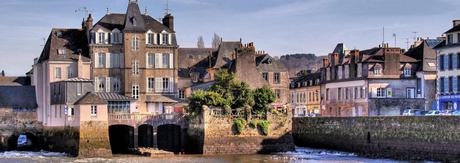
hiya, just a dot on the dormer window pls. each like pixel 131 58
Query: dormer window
pixel 117 37
pixel 101 38
pixel 378 70
pixel 133 21
pixel 450 39
pixel 151 38
pixel 165 39
pixel 407 71
pixel 61 51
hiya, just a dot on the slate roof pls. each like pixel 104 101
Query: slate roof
pixel 72 41
pixel 15 81
pixel 18 96
pixel 266 63
pixel 425 54
pixel 134 22
pixel 453 29
pixel 110 96
pixel 90 98
pixel 225 52
pixel 203 86
pixel 193 57
pixel 305 78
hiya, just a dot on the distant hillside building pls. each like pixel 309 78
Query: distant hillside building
pixel 305 95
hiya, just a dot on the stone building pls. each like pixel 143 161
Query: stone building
pixel 305 94
pixel 448 69
pixel 135 55
pixel 198 66
pixel 379 81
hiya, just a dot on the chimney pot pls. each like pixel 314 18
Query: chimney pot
pixel 456 22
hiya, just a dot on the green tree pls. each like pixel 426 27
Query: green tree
pixel 238 93
pixel 199 98
pixel 262 98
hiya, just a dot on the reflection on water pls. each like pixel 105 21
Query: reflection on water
pixel 299 155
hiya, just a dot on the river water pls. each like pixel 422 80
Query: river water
pixel 299 155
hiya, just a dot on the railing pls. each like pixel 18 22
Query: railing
pixel 137 117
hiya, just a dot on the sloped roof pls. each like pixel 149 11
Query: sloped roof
pixel 90 98
pixel 274 65
pixel 18 96
pixel 134 22
pixel 14 81
pixel 203 86
pixel 225 52
pixel 192 57
pixel 71 41
pixel 117 20
pixel 110 96
pixel 453 29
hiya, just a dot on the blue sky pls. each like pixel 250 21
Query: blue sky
pixel 276 26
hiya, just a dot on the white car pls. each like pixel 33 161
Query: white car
pixel 409 112
pixel 432 113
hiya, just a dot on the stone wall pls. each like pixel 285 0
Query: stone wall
pixel 216 135
pixel 393 107
pixel 420 138
pixel 94 139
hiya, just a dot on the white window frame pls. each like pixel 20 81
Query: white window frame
pixel 135 43
pixel 93 112
pixel 150 57
pixel 150 84
pixel 136 67
pixel 407 71
pixel 101 37
pixel 58 73
pixel 135 91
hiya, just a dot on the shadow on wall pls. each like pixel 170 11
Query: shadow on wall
pixel 284 143
pixel 121 139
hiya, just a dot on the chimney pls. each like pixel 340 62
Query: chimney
pixel 3 73
pixel 335 59
pixel 355 56
pixel 89 22
pixel 325 62
pixel 456 22
pixel 168 21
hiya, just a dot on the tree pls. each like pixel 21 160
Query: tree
pixel 262 98
pixel 199 98
pixel 200 42
pixel 232 89
pixel 216 40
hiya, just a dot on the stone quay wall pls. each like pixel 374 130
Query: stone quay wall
pixel 94 139
pixel 216 135
pixel 408 138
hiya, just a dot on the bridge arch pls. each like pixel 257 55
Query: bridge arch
pixel 170 138
pixel 146 136
pixel 121 138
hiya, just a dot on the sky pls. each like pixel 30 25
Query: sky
pixel 276 26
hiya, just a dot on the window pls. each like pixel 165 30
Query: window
pixel 115 60
pixel 57 73
pixel 181 94
pixel 135 89
pixel 61 51
pixel 441 85
pixel 165 40
pixel 449 61
pixel 450 84
pixel 100 84
pixel 458 38
pixel 458 60
pixel 136 67
pixel 93 110
pixel 380 92
pixel 69 72
pixel 116 37
pixel 101 60
pixel 389 92
pixel 151 60
pixel 265 76
pixel 346 93
pixel 378 70
pixel 79 89
pixel 166 60
pixel 115 84
pixel 135 43
pixel 458 84
pixel 419 86
pixel 150 38
pixel 166 84
pixel 327 94
pixel 101 38
pixel 441 62
pixel 450 39
pixel 410 92
pixel 407 71
pixel 150 84
pixel 339 94
pixel 278 93
pixel 356 92
pixel 361 93
pixel 276 78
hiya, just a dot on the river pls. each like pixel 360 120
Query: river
pixel 299 155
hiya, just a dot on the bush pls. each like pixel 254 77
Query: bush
pixel 262 98
pixel 253 123
pixel 264 126
pixel 239 124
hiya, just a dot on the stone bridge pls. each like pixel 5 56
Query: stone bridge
pixel 163 131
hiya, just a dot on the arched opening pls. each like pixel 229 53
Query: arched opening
pixel 145 137
pixel 169 138
pixel 23 141
pixel 121 138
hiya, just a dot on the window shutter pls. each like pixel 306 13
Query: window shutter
pixel 147 61
pixel 171 85
pixel 169 39
pixel 158 84
pixel 93 37
pixel 107 60
pixel 108 84
pixel 155 40
pixel 389 92
pixel 147 38
pixel 96 84
pixel 121 59
pixel 171 60
pixel 158 63
pixel 161 39
pixel 96 60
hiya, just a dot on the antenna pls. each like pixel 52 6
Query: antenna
pixel 415 36
pixel 44 41
pixel 146 11
pixel 167 10
pixel 394 35
pixel 84 10
pixel 407 43
pixel 383 36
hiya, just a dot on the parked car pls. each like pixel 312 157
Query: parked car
pixel 420 113
pixel 446 112
pixel 456 113
pixel 23 141
pixel 432 113
pixel 409 112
